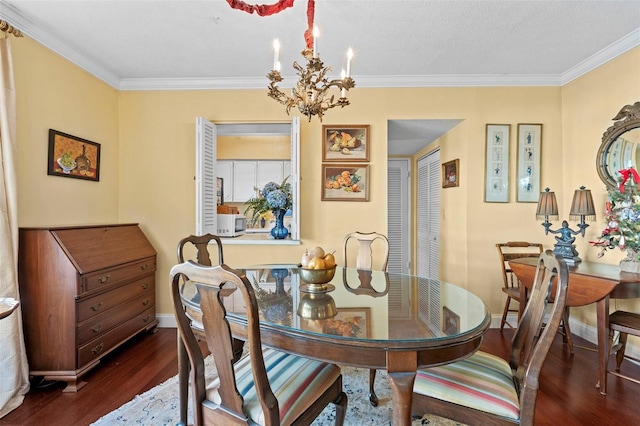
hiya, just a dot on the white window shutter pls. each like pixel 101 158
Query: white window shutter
pixel 206 157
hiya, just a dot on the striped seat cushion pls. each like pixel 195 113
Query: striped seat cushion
pixel 295 381
pixel 483 382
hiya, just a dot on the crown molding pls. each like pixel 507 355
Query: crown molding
pixel 362 81
pixel 193 83
pixel 97 69
pixel 610 52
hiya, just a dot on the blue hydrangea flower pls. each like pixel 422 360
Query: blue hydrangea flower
pixel 271 186
pixel 277 199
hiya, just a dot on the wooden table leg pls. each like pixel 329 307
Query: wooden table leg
pixel 602 310
pixel 402 367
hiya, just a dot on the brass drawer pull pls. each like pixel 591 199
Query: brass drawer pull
pixel 145 286
pixel 96 307
pixel 96 328
pixel 147 318
pixel 144 267
pixel 103 279
pixel 97 349
pixel 146 302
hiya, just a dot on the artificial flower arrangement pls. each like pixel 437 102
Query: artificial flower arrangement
pixel 271 198
pixel 622 213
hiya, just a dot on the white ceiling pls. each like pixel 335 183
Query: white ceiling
pixel 163 44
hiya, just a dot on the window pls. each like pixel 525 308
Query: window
pixel 206 171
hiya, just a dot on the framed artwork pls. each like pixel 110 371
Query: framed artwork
pixel 496 174
pixel 451 173
pixel 450 322
pixel 345 182
pixel 71 156
pixel 345 143
pixel 349 322
pixel 528 170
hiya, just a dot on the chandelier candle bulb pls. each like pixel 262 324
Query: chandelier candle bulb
pixel 349 56
pixel 315 41
pixel 342 76
pixel 276 54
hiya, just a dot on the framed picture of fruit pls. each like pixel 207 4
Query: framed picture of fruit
pixel 345 143
pixel 350 322
pixel 345 182
pixel 71 156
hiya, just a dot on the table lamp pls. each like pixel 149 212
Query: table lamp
pixel 582 208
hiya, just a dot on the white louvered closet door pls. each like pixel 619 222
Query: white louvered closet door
pixel 398 216
pixel 428 216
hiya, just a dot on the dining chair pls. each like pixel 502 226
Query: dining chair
pixel 198 246
pixel 365 261
pixel 201 244
pixel 265 387
pixel 511 285
pixel 624 323
pixel 486 389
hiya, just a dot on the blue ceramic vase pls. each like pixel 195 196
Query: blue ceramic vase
pixel 279 232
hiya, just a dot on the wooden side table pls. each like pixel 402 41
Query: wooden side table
pixel 588 283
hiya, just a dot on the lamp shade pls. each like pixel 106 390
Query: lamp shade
pixel 547 205
pixel 582 205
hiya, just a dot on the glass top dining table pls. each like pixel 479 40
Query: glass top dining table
pixel 368 319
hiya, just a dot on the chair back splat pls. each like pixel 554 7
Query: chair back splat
pixel 201 244
pixel 365 258
pixel 485 389
pixel 265 387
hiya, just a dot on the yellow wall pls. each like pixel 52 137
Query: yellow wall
pixel 588 105
pixel 53 94
pixel 254 147
pixel 148 159
pixel 470 228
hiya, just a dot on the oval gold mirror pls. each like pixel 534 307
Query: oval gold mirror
pixel 620 148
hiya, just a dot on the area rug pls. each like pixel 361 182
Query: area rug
pixel 160 406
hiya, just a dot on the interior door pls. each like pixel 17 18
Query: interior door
pixel 399 215
pixel 428 216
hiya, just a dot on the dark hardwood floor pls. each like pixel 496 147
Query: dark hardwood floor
pixel 567 394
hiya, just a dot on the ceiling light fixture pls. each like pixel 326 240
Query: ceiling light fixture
pixel 312 93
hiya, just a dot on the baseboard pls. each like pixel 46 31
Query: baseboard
pixel 166 321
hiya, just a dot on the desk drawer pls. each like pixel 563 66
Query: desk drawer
pixel 102 323
pixel 103 302
pixel 103 344
pixel 113 276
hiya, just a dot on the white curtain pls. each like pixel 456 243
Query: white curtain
pixel 14 371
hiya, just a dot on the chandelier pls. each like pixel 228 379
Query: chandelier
pixel 313 93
